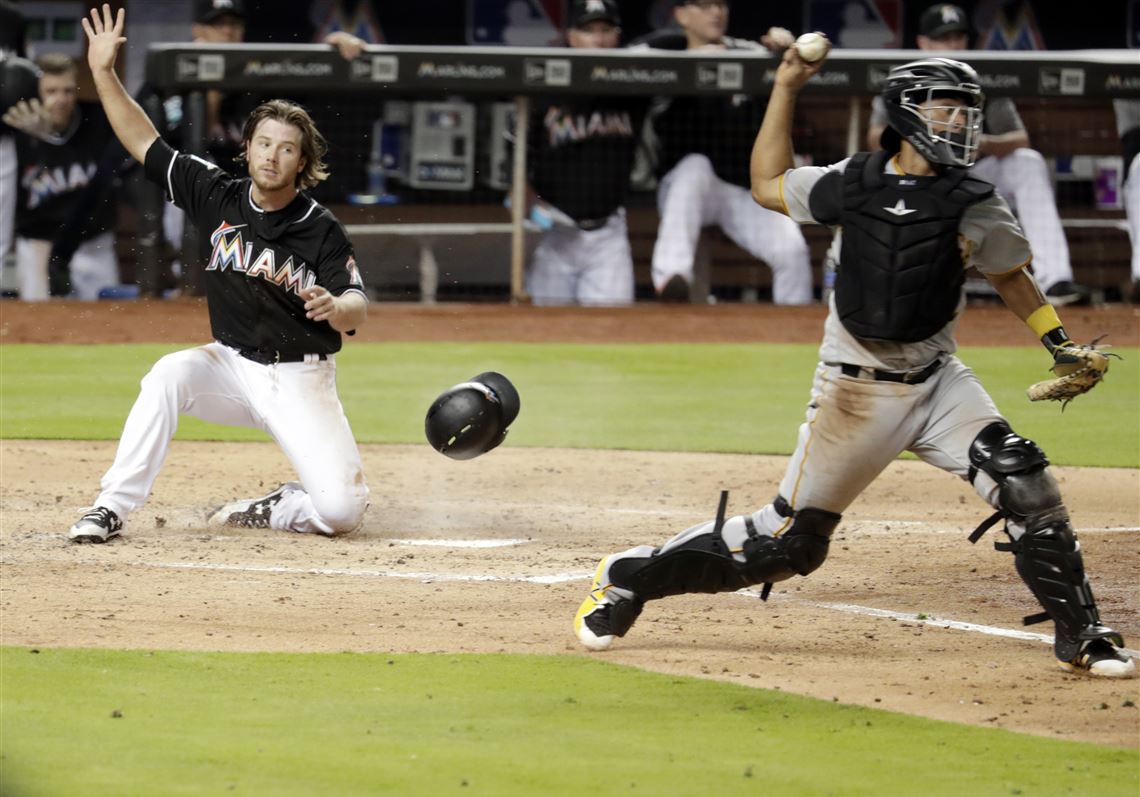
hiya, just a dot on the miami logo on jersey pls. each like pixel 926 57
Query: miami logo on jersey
pixel 45 183
pixel 230 251
pixel 566 127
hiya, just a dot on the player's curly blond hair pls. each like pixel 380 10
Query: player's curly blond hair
pixel 313 144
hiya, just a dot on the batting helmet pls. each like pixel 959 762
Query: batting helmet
pixel 472 418
pixel 19 80
pixel 953 142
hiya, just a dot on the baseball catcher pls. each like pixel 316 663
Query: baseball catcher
pixel 912 219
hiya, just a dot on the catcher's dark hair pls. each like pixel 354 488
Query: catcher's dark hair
pixel 313 144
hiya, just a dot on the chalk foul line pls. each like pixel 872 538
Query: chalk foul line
pixel 937 622
pixel 555 578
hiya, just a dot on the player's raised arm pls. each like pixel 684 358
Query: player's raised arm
pixel 129 121
pixel 772 152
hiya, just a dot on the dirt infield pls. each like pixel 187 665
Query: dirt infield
pixel 412 579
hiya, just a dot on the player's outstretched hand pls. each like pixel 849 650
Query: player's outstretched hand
pixel 104 37
pixel 29 116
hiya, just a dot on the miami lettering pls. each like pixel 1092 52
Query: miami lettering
pixel 46 183
pixel 231 252
pixel 566 128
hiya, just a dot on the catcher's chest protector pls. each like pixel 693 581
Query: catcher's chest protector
pixel 901 271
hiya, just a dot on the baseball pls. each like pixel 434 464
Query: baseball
pixel 812 47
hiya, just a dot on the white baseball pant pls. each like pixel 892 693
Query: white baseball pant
pixel 691 196
pixel 589 267
pixel 1022 177
pixel 8 185
pixel 295 403
pixel 1132 212
pixel 94 266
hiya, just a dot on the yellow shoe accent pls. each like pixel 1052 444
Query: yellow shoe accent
pixel 593 602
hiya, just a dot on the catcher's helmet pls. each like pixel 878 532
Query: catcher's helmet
pixel 472 418
pixel 947 143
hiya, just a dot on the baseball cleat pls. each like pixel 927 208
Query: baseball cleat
pixel 97 525
pixel 250 513
pixel 1101 659
pixel 604 614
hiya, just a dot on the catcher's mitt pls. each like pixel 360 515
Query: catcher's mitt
pixel 1078 369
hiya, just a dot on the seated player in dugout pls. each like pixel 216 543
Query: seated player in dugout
pixel 281 286
pixel 912 217
pixel 581 153
pixel 1019 173
pixel 700 146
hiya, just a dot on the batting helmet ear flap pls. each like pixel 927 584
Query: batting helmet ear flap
pixel 502 387
pixel 472 418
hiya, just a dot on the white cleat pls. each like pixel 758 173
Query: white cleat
pixel 1101 659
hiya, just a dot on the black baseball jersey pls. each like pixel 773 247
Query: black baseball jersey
pixel 259 261
pixel 54 175
pixel 581 152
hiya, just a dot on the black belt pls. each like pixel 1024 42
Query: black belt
pixel 589 225
pixel 915 377
pixel 273 357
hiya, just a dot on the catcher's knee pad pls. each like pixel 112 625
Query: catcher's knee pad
pixel 704 563
pixel 798 551
pixel 1018 466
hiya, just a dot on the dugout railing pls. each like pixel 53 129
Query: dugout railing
pixel 1063 96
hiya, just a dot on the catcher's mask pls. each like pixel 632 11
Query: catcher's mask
pixel 908 94
pixel 472 418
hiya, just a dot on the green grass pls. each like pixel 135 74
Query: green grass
pixel 283 724
pixel 694 397
pixel 347 724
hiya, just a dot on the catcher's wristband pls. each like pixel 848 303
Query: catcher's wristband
pixel 1046 324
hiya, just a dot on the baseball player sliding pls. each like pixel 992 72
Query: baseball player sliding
pixel 282 286
pixel 912 218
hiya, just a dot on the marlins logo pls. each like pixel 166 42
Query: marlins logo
pixel 949 14
pixel 231 252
